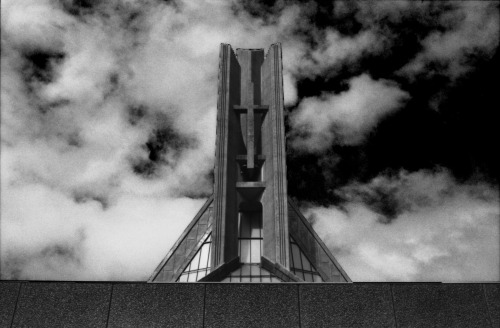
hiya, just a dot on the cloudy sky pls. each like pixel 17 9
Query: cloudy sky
pixel 108 131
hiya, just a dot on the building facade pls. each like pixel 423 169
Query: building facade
pixel 249 230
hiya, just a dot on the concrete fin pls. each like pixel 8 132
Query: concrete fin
pixel 315 251
pixel 186 247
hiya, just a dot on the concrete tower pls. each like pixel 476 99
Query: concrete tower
pixel 249 231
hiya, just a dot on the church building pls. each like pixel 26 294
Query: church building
pixel 251 233
pixel 249 230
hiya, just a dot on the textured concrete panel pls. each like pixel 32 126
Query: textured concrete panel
pixel 157 305
pixel 61 304
pixel 346 305
pixel 440 305
pixel 251 305
pixel 8 298
pixel 492 294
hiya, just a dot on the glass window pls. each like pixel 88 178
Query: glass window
pixel 195 262
pixel 250 246
pixel 300 264
pixel 296 256
pixel 237 272
pixel 256 224
pixel 199 266
pixel 250 272
pixel 245 250
pixel 245 225
pixel 255 250
pixel 204 255
pixel 192 276
pixel 201 274
pixel 305 263
pixel 245 270
pixel 250 232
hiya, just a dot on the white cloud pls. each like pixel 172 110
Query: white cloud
pixel 344 118
pixel 452 237
pixel 471 27
pixel 33 24
pixel 51 237
pixel 335 49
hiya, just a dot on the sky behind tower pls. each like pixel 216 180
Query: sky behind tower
pixel 108 115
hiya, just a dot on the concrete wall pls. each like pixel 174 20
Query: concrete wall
pixel 100 304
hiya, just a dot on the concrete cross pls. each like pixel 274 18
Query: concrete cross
pixel 250 110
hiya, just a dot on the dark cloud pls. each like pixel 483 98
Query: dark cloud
pixel 64 252
pixel 381 198
pixel 439 125
pixel 81 197
pixel 52 256
pixel 74 140
pixel 80 7
pixel 164 146
pixel 145 168
pixel 135 113
pixel 39 66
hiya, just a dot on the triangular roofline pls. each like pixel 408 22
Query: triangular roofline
pixel 181 238
pixel 318 240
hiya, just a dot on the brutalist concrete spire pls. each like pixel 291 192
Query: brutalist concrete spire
pixel 249 230
pixel 250 153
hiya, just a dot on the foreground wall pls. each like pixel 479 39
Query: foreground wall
pixel 89 304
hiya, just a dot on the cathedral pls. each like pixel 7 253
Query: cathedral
pixel 249 230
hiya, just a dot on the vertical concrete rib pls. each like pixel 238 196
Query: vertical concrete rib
pixel 220 153
pixel 279 161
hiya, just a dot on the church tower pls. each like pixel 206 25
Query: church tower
pixel 249 230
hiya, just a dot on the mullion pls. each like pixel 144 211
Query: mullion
pixel 305 271
pixel 302 270
pixel 209 253
pixel 250 246
pixel 199 260
pixel 301 264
